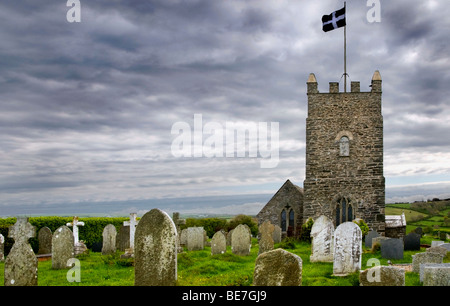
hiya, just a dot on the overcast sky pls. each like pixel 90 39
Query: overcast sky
pixel 87 108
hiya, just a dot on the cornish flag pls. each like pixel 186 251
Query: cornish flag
pixel 334 20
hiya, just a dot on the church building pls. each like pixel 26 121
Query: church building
pixel 344 160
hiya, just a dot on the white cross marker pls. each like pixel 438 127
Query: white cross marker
pixel 75 223
pixel 132 224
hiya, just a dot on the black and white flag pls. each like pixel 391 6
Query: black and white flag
pixel 334 20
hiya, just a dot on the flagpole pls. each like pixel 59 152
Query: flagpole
pixel 345 50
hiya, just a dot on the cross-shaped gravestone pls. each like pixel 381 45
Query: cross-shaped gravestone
pixel 132 224
pixel 75 223
pixel 21 263
pixel 178 222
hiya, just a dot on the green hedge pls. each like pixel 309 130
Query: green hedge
pixel 90 233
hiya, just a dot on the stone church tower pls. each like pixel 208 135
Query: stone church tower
pixel 344 155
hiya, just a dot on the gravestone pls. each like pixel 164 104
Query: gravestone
pixel 266 240
pixel 45 240
pixel 123 238
pixel 195 239
pixel 155 250
pixel 412 242
pixel 322 240
pixel 368 238
pixel 418 230
pixel 347 249
pixel 445 246
pixel 426 257
pixel 109 240
pixel 382 276
pixel 129 252
pixel 277 268
pixel 436 243
pixel 276 234
pixel 62 247
pixel 218 243
pixel 241 240
pixel 183 237
pixel 178 222
pixel 79 246
pixel 435 274
pixel 2 248
pixel 21 264
pixel 392 248
pixel 438 249
pixel 376 241
pixel 229 235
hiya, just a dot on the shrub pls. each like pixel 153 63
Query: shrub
pixel 363 226
pixel 306 230
pixel 244 219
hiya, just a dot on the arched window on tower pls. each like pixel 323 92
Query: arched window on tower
pixel 344 211
pixel 344 146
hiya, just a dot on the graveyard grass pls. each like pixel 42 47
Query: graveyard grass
pixel 199 268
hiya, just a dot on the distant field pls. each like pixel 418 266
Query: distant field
pixel 410 215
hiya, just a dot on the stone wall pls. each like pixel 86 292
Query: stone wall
pixel 344 154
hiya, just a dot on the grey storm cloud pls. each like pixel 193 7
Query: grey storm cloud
pixel 87 108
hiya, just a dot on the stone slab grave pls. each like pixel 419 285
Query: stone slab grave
pixel 347 249
pixel 437 249
pixel 435 274
pixel 368 238
pixel 322 240
pixel 156 250
pixel 79 246
pixel 21 264
pixel 45 241
pixel 241 240
pixel 218 243
pixel 277 268
pixel 62 247
pixel 412 242
pixel 109 240
pixel 425 257
pixel 195 239
pixel 129 252
pixel 392 248
pixel 382 276
pixel 266 237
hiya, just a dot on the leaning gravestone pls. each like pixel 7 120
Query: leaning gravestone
pixel 322 240
pixel 392 248
pixel 109 240
pixel 382 276
pixel 347 249
pixel 21 265
pixel 155 250
pixel 62 247
pixel 45 240
pixel 195 239
pixel 218 243
pixel 277 268
pixel 368 238
pixel 266 241
pixel 241 240
pixel 412 242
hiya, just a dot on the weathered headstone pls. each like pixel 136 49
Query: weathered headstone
pixel 129 252
pixel 195 239
pixel 266 240
pixel 382 276
pixel 45 240
pixel 218 243
pixel 445 246
pixel 123 238
pixel 438 249
pixel 109 240
pixel 241 240
pixel 347 249
pixel 418 230
pixel 2 248
pixel 276 234
pixel 62 247
pixel 368 238
pixel 21 264
pixel 229 236
pixel 322 240
pixel 412 242
pixel 425 257
pixel 155 250
pixel 183 237
pixel 435 274
pixel 436 243
pixel 79 246
pixel 277 268
pixel 392 248
pixel 178 222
